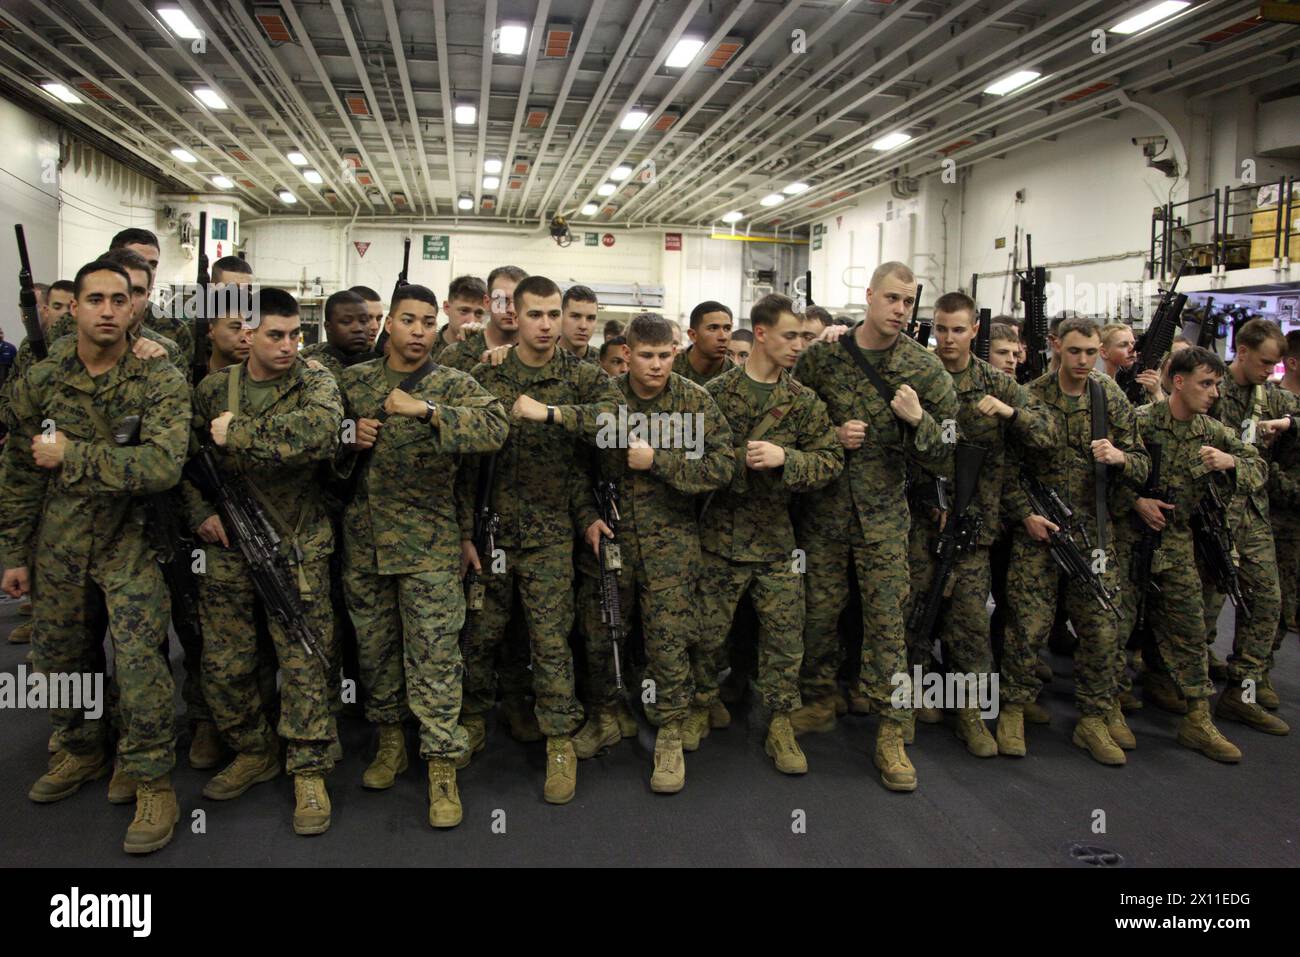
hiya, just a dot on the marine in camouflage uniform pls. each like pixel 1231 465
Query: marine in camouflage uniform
pixel 682 367
pixel 179 331
pixel 334 359
pixel 1284 513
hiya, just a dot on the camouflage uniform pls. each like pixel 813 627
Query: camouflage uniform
pixel 536 472
pixel 463 355
pixel 862 520
pixel 1284 513
pixel 1034 580
pixel 748 538
pixel 659 546
pixel 1174 606
pixel 441 345
pixel 333 358
pixel 401 563
pixel 278 449
pixel 88 531
pixel 1248 517
pixel 592 355
pixel 682 367
pixel 178 331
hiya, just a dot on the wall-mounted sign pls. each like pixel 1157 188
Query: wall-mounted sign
pixel 591 239
pixel 437 247
pixel 673 241
pixel 607 239
pixel 361 248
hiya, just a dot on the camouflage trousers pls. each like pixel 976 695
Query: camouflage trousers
pixel 963 625
pixel 882 575
pixel 543 577
pixel 777 591
pixel 196 706
pixel 1034 586
pixel 1124 536
pixel 1288 579
pixel 228 612
pixel 1253 635
pixel 408 649
pixel 68 644
pixel 667 623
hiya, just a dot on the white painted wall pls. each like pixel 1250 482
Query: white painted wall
pixel 31 148
pixel 100 197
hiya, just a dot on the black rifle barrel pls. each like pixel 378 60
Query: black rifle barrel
pixel 27 298
pixel 199 370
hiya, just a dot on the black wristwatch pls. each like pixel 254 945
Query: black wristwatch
pixel 550 415
pixel 428 411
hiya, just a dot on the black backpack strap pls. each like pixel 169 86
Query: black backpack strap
pixel 873 376
pixel 1100 430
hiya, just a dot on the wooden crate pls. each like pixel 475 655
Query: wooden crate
pixel 1262 223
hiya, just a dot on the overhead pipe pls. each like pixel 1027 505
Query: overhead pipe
pixel 485 90
pixel 444 84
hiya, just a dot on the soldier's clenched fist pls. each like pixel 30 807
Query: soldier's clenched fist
pixel 852 433
pixel 906 404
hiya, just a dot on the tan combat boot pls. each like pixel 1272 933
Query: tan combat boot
pixel 719 716
pixel 817 715
pixel 600 732
pixel 1035 713
pixel 695 728
pixel 475 726
pixel 67 773
pixel 971 729
pixel 521 718
pixel 782 748
pixel 669 775
pixel 627 725
pixel 1198 732
pixel 561 770
pixel 206 748
pixel 390 759
pixel 241 774
pixel 859 704
pixel 311 813
pixel 444 798
pixel 1011 730
pixel 909 726
pixel 1265 694
pixel 896 771
pixel 1119 730
pixel 1234 707
pixel 156 814
pixel 1161 691
pixel 1091 735
pixel 22 634
pixel 121 788
pixel 928 715
pixel 1129 702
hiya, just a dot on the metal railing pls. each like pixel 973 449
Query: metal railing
pixel 1168 225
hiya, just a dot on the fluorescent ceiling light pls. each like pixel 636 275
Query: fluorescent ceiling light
pixel 492 165
pixel 287 197
pixel 771 199
pixel 184 155
pixel 512 39
pixel 223 182
pixel 734 216
pixel 466 201
pixel 1013 82
pixel 209 98
pixel 297 159
pixel 633 119
pixel 313 177
pixel 61 92
pixel 606 189
pixel 890 140
pixel 620 173
pixel 179 23
pixel 683 53
pixel 1152 14
pixel 465 114
pixel 794 188
pixel 590 209
pixel 491 182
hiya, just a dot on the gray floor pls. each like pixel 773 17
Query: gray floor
pixel 1168 807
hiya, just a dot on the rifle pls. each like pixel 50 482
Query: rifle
pixel 960 535
pixel 397 287
pixel 983 345
pixel 247 525
pixel 915 327
pixel 1155 342
pixel 1214 546
pixel 1208 334
pixel 1065 549
pixel 486 523
pixel 1033 293
pixel 611 562
pixel 807 288
pixel 27 299
pixel 1148 541
pixel 199 370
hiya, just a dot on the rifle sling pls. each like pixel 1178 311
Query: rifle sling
pixel 873 376
pixel 1100 429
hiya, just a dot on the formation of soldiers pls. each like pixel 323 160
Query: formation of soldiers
pixel 451 500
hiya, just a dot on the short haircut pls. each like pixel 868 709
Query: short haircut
pixel 1001 330
pixel 538 286
pixel 955 302
pixel 767 311
pixel 275 302
pixel 366 293
pixel 819 313
pixel 614 341
pixel 510 272
pixel 1016 322
pixel 41 287
pixel 613 327
pixel 134 236
pixel 649 329
pixel 1259 331
pixel 1080 324
pixel 1181 340
pixel 1187 361
pixel 895 268
pixel 232 264
pixel 1292 342
pixel 1111 330
pixel 62 285
pixel 99 265
pixel 129 259
pixel 579 294
pixel 706 307
pixel 742 335
pixel 344 297
pixel 467 287
pixel 416 292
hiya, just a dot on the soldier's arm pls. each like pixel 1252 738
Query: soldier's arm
pixel 23 484
pixel 1284 485
pixel 712 464
pixel 463 490
pixel 925 444
pixel 597 396
pixel 1124 435
pixel 473 420
pixel 819 458
pixel 1033 426
pixel 152 466
pixel 1015 503
pixel 1251 472
pixel 307 434
pixel 197 508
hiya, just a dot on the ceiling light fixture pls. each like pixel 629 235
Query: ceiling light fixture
pixel 287 197
pixel 209 98
pixel 1150 16
pixel 61 92
pixel 590 209
pixel 734 216
pixel 511 39
pixel 1013 82
pixel 223 182
pixel 466 201
pixel 606 189
pixel 794 188
pixel 492 165
pixel 633 119
pixel 620 173
pixel 313 177
pixel 297 159
pixel 184 155
pixel 890 141
pixel 465 114
pixel 771 199
pixel 683 53
pixel 179 23
pixel 491 182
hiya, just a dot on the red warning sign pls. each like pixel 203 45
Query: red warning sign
pixel 673 241
pixel 361 248
pixel 607 239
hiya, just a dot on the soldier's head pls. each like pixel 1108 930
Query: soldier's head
pixel 374 309
pixel 230 336
pixel 677 335
pixel 140 241
pixel 649 353
pixel 58 303
pixel 890 299
pixel 347 323
pixel 613 355
pixel 777 330
pixel 710 330
pixel 1292 360
pixel 1117 346
pixel 412 324
pixel 955 326
pixel 232 269
pixel 502 283
pixel 467 301
pixel 815 321
pixel 740 345
pixel 276 330
pixel 141 273
pixel 1004 347
pixel 1260 347
pixel 1194 377
pixel 580 307
pixel 538 311
pixel 102 304
pixel 613 327
pixel 1080 341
